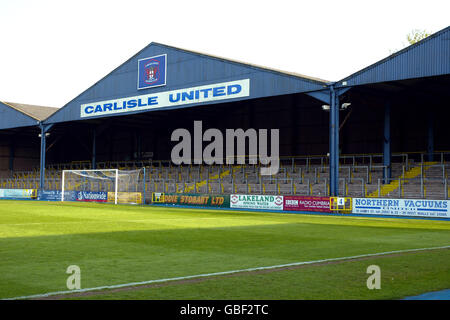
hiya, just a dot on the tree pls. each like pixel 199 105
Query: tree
pixel 416 35
pixel 413 37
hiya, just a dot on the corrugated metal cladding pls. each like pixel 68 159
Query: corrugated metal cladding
pixel 429 57
pixel 11 118
pixel 185 69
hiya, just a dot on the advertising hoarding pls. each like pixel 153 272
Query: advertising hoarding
pixel 402 207
pixel 202 200
pixel 270 202
pixel 305 203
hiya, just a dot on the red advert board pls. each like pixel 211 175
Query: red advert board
pixel 305 203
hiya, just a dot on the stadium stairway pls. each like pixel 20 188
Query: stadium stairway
pixel 218 176
pixel 389 188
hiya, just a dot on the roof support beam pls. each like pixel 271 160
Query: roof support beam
pixel 334 142
pixel 44 131
pixel 334 137
pixel 323 96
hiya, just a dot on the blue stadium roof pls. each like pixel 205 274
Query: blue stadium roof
pixel 426 58
pixel 186 69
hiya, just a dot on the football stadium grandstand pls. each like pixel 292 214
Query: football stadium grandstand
pixel 381 132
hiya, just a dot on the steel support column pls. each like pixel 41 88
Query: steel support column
pixel 334 143
pixel 44 131
pixel 337 151
pixel 387 142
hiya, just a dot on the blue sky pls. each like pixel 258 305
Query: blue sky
pixel 53 50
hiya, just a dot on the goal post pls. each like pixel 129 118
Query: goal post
pixel 116 198
pixel 103 185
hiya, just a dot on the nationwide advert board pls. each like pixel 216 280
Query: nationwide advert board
pixel 402 207
pixel 269 202
pixel 92 196
pixel 306 203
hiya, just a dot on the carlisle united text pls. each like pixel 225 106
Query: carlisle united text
pixel 202 94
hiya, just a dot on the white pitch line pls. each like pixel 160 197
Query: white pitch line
pixel 205 275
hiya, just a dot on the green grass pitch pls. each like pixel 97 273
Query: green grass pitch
pixel 125 244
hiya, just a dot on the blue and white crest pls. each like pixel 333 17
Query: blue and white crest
pixel 152 72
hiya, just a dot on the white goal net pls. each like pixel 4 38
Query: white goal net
pixel 104 185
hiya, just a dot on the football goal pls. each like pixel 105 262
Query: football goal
pixel 105 185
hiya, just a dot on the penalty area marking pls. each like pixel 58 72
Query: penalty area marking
pixel 206 275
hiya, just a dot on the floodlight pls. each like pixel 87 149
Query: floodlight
pixel 345 105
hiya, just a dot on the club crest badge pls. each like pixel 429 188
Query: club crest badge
pixel 152 72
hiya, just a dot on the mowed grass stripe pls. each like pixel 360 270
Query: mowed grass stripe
pixel 125 244
pixel 402 275
pixel 230 272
